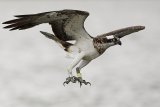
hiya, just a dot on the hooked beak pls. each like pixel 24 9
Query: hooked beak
pixel 119 42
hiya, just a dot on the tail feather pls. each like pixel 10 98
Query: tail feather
pixel 50 36
pixel 65 45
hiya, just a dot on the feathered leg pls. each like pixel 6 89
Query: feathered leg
pixel 79 76
pixel 76 60
pixel 82 64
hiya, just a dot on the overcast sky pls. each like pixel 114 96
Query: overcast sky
pixel 33 68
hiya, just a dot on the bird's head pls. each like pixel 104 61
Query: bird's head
pixel 112 41
pixel 117 41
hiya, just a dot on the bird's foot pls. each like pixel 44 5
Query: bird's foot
pixel 70 79
pixel 81 81
pixel 75 79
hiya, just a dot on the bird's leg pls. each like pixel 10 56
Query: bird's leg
pixel 79 75
pixel 72 78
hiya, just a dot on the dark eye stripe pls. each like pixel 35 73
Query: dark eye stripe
pixel 110 40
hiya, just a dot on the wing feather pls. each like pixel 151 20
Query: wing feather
pixel 66 24
pixel 123 32
pixel 28 21
pixel 71 28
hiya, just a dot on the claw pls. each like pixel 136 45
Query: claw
pixel 64 83
pixel 86 83
pixel 81 81
pixel 69 79
pixel 75 79
pixel 89 83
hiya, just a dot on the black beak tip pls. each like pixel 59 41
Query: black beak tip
pixel 142 27
pixel 120 43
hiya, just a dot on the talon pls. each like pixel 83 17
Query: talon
pixel 86 83
pixel 75 79
pixel 89 83
pixel 81 81
pixel 64 83
pixel 69 79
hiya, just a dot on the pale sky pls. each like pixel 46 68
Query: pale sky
pixel 33 68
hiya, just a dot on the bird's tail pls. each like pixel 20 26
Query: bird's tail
pixel 63 44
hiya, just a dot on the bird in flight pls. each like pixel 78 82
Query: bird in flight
pixel 68 25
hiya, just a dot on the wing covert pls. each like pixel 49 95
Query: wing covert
pixel 71 28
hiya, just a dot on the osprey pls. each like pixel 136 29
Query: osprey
pixel 68 25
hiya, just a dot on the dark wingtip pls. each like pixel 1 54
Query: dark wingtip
pixel 11 21
pixel 142 27
pixel 137 28
pixel 5 22
pixel 15 28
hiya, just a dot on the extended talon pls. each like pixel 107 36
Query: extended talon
pixel 75 79
pixel 81 81
pixel 65 83
pixel 70 79
pixel 86 83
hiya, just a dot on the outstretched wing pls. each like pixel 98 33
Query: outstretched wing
pixel 27 21
pixel 123 32
pixel 66 24
pixel 71 28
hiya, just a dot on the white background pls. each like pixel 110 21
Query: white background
pixel 33 68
